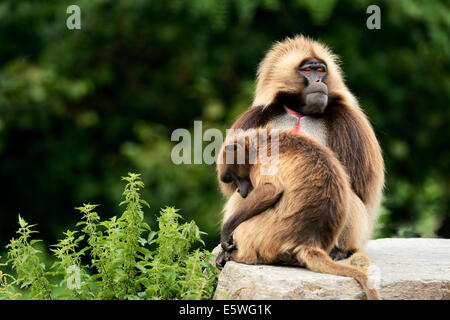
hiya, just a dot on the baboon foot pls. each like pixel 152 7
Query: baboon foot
pixel 339 254
pixel 225 254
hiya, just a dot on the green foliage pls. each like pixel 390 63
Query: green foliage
pixel 127 259
pixel 6 285
pixel 25 262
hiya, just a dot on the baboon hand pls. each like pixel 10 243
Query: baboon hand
pixel 339 254
pixel 227 243
pixel 220 260
pixel 225 254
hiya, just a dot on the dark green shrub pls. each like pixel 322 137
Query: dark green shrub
pixel 127 259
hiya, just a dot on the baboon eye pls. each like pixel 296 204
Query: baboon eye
pixel 320 70
pixel 307 70
pixel 226 178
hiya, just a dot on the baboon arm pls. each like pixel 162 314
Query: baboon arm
pixel 260 199
pixel 353 140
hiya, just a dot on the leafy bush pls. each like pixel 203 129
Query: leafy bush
pixel 127 259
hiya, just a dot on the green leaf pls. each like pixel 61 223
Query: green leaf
pixel 151 236
pixel 144 202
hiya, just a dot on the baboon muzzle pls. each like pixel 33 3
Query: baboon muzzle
pixel 315 97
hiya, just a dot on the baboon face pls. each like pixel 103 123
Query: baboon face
pixel 240 179
pixel 300 74
pixel 235 173
pixel 315 94
pixel 312 96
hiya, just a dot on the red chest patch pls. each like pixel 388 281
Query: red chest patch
pixel 295 114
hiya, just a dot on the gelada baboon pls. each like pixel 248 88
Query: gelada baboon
pixel 292 216
pixel 300 87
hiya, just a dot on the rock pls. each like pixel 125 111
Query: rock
pixel 401 268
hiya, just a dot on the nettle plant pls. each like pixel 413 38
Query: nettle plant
pixel 127 259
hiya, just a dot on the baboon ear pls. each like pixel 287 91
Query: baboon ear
pixel 232 147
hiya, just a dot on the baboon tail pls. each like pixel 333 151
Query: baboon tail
pixel 318 260
pixel 359 260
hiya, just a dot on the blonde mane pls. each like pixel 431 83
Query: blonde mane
pixel 277 72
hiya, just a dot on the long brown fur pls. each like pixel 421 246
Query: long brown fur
pixel 348 132
pixel 305 212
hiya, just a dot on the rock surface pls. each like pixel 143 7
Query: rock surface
pixel 402 269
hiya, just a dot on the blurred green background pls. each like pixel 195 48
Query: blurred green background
pixel 81 108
